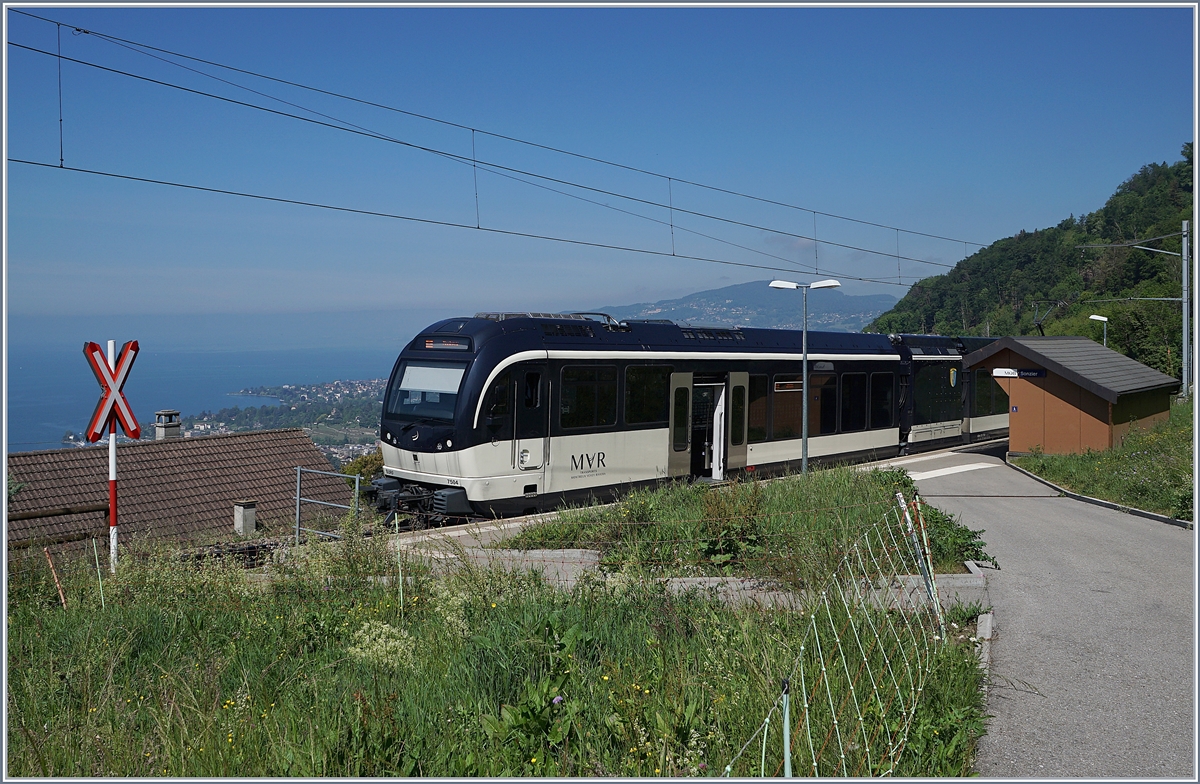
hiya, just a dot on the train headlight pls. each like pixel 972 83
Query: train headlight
pixel 439 446
pixel 449 443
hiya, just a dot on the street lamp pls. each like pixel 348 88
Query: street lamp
pixel 1094 317
pixel 820 284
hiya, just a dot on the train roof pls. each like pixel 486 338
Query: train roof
pixel 599 330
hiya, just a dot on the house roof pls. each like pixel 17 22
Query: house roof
pixel 1082 361
pixel 179 488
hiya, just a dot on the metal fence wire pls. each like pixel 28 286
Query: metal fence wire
pixel 862 662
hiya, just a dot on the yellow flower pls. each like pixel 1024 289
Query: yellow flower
pixel 605 677
pixel 647 691
pixel 493 605
pixel 533 760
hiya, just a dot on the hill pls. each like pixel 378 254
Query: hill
pixel 756 305
pixel 1000 289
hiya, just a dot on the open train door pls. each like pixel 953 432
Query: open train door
pixel 679 453
pixel 737 418
pixel 532 435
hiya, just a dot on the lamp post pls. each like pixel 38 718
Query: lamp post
pixel 1094 317
pixel 820 284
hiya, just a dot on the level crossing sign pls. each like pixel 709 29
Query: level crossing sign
pixel 112 403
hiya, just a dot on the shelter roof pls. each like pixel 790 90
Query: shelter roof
pixel 1082 361
pixel 178 488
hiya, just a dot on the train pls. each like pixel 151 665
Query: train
pixel 503 414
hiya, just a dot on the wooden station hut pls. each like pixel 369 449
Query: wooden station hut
pixel 1070 394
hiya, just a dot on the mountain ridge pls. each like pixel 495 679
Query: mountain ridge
pixel 755 304
pixel 1000 289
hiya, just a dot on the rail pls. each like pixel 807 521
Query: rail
pixel 300 497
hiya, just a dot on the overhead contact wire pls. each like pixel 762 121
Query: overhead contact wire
pixel 414 219
pixel 129 44
pixel 516 140
pixel 348 128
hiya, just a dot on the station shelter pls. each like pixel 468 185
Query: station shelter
pixel 1070 394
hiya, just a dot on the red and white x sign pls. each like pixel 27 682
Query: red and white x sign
pixel 112 399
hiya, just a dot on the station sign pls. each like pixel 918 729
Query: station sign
pixel 1018 373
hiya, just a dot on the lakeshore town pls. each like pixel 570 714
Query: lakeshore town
pixel 341 417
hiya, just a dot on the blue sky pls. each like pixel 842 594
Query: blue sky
pixel 969 123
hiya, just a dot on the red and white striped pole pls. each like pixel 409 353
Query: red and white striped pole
pixel 112 474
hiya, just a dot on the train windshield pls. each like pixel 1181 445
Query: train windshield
pixel 424 390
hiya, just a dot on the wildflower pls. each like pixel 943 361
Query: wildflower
pixel 493 605
pixel 647 691
pixel 557 699
pixel 656 770
pixel 533 760
pixel 604 677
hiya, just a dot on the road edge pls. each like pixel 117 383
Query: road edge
pixel 1099 501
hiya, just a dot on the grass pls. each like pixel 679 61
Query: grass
pixel 193 671
pixel 1150 470
pixel 794 529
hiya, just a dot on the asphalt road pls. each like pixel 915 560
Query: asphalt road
pixel 1093 653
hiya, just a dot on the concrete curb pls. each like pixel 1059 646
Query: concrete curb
pixel 1098 501
pixel 983 632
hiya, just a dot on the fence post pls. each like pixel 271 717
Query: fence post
pixel 297 506
pixel 96 554
pixel 787 731
pixel 937 602
pixel 917 550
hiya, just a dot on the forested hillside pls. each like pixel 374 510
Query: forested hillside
pixel 998 290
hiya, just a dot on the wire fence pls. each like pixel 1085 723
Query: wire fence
pixel 861 665
pixel 869 625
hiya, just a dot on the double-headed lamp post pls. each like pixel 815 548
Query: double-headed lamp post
pixel 820 284
pixel 1094 317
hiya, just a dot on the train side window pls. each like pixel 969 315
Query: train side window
pixel 588 397
pixel 647 395
pixel 679 439
pixel 822 404
pixel 882 385
pixel 787 407
pixel 737 416
pixel 990 398
pixel 498 410
pixel 533 390
pixel 999 397
pixel 854 402
pixel 757 431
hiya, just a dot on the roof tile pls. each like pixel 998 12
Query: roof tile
pixel 178 488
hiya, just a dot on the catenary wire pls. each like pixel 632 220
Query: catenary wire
pixel 464 160
pixel 474 160
pixel 430 221
pixel 130 43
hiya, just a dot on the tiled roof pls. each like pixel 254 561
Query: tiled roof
pixel 1083 361
pixel 180 488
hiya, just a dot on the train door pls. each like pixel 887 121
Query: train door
pixel 708 429
pixel 531 438
pixel 679 448
pixel 735 442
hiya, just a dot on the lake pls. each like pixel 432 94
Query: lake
pixel 51 390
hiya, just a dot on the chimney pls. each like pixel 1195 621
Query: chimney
pixel 243 517
pixel 166 424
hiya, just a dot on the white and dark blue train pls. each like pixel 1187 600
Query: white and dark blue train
pixel 509 413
